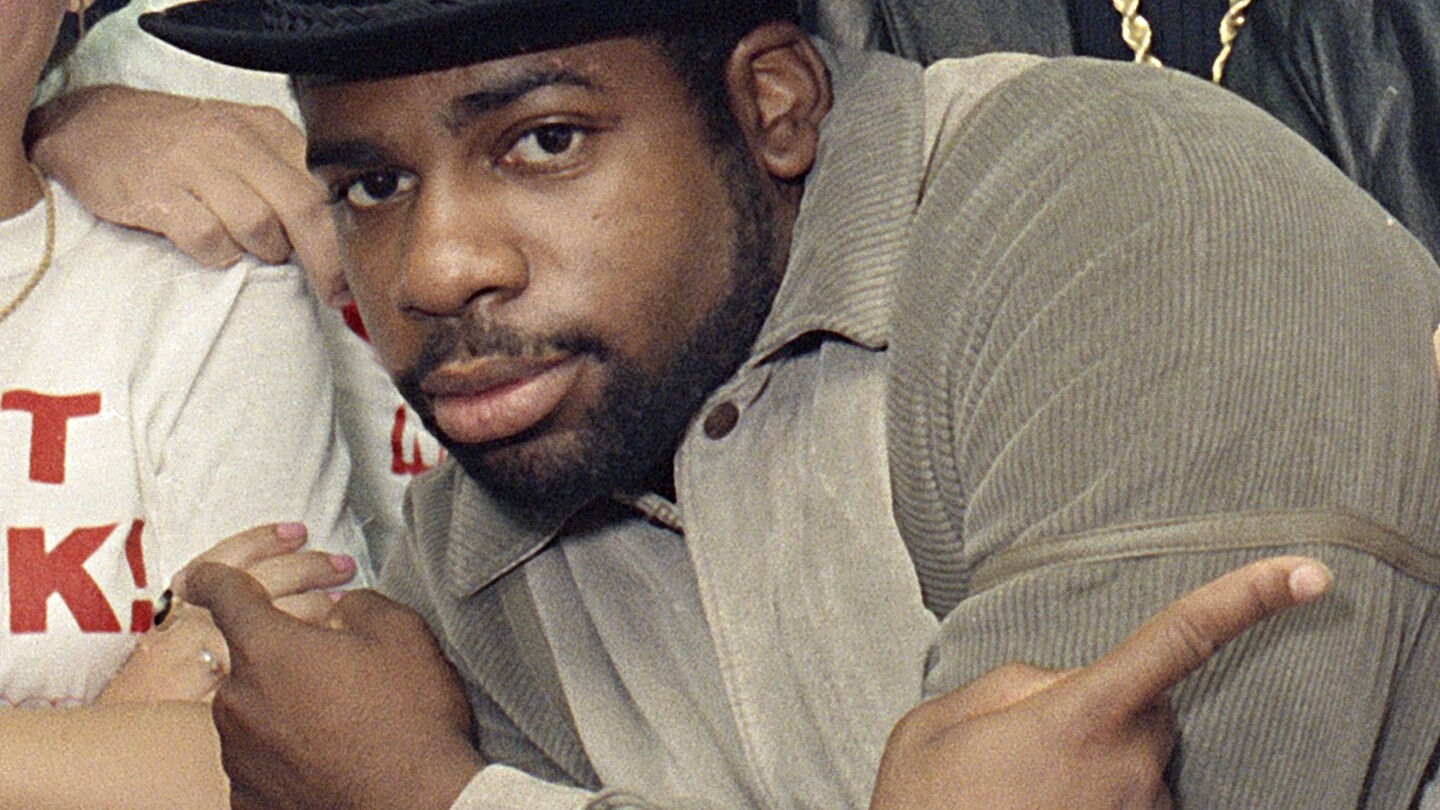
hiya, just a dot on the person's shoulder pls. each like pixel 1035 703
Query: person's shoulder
pixel 135 276
pixel 954 86
pixel 145 258
pixel 1062 106
pixel 145 266
pixel 1074 81
pixel 178 308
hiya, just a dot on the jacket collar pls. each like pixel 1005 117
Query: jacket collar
pixel 489 537
pixel 854 221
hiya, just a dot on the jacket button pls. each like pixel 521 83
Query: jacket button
pixel 722 420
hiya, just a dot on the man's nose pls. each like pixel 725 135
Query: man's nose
pixel 459 253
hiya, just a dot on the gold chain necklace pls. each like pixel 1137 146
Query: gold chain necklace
pixel 1230 26
pixel 1135 30
pixel 46 258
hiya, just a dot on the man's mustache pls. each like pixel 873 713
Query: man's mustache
pixel 474 338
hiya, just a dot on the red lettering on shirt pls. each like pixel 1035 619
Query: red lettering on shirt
pixel 49 418
pixel 399 464
pixel 35 574
pixel 142 611
pixel 351 313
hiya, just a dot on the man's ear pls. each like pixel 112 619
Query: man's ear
pixel 779 91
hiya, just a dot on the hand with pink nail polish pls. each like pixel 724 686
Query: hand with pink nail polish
pixel 185 657
pixel 298 581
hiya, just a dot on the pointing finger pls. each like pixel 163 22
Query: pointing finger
pixel 1183 636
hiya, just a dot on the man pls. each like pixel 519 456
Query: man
pixel 785 387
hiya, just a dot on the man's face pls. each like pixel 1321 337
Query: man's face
pixel 553 260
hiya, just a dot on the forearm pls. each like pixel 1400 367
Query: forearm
pixel 117 757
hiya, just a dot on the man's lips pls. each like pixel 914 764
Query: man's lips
pixel 493 398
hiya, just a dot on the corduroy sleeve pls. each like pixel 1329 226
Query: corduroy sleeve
pixel 1148 335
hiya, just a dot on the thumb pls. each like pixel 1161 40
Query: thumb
pixel 366 613
pixel 317 248
pixel 239 604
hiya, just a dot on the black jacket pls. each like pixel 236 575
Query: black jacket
pixel 1359 79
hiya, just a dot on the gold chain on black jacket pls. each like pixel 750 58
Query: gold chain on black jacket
pixel 1135 30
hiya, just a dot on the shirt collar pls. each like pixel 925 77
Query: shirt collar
pixel 853 226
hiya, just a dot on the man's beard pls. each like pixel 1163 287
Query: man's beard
pixel 628 441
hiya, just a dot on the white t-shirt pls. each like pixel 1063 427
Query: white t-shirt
pixel 388 444
pixel 148 409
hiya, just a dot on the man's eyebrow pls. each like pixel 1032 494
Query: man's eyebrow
pixel 343 153
pixel 507 91
pixel 463 110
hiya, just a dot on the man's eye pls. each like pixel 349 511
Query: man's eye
pixel 547 144
pixel 376 188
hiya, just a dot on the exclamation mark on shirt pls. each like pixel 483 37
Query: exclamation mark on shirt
pixel 142 611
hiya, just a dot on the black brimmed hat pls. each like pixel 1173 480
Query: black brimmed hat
pixel 360 38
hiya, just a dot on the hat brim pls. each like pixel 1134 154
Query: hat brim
pixel 439 35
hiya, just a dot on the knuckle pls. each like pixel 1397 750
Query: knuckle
pixel 319 563
pixel 209 244
pixel 1147 769
pixel 1078 727
pixel 136 208
pixel 263 236
pixel 1265 600
pixel 1017 672
pixel 407 620
pixel 220 121
pixel 1187 636
pixel 1011 670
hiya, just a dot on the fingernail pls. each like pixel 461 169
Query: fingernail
pixel 290 531
pixel 342 563
pixel 1309 580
